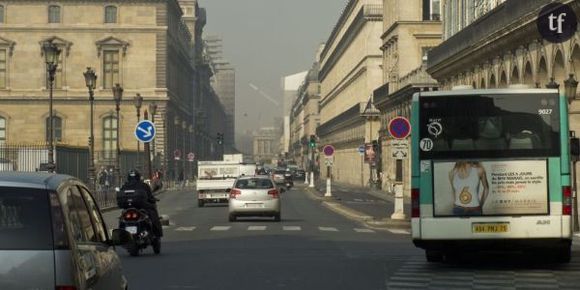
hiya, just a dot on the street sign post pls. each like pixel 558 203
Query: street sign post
pixel 145 131
pixel 328 151
pixel 400 128
pixel 361 150
pixel 400 149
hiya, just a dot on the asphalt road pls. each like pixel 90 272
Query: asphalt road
pixel 312 248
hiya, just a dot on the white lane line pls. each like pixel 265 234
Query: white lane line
pixel 185 229
pixel 291 228
pixel 399 232
pixel 220 228
pixel 364 231
pixel 358 199
pixel 328 229
pixel 256 228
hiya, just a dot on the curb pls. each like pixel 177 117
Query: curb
pixel 368 221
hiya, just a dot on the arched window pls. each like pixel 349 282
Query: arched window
pixel 56 128
pixel 110 14
pixel 109 136
pixel 53 14
pixel 2 130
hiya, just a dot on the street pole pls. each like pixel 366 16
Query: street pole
pixel 118 96
pixel 147 149
pixel 362 179
pixel 138 103
pixel 51 55
pixel 371 161
pixel 311 168
pixel 90 79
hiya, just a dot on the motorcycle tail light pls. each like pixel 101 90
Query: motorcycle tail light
pixel 131 215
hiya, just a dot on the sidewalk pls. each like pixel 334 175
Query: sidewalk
pixel 372 207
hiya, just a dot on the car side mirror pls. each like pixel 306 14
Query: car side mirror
pixel 228 190
pixel 120 237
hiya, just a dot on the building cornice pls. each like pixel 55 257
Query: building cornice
pixel 125 29
pixel 396 24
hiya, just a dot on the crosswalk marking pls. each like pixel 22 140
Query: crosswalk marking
pixel 328 229
pixel 220 228
pixel 291 228
pixel 399 232
pixel 256 228
pixel 578 235
pixel 185 229
pixel 364 231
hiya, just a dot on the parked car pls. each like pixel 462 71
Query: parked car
pixel 254 196
pixel 299 174
pixel 53 235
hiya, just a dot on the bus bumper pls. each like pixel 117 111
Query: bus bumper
pixel 493 244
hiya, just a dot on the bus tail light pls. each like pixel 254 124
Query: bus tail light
pixel 566 200
pixel 415 204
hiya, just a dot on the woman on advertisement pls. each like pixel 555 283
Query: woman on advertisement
pixel 466 179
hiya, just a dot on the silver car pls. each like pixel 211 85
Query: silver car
pixel 254 196
pixel 52 236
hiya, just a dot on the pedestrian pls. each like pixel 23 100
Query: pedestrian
pixel 109 179
pixel 102 178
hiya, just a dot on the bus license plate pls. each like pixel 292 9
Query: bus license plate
pixel 484 228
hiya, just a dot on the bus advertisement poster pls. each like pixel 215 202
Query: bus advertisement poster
pixel 465 188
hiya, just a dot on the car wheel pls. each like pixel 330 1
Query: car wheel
pixel 157 246
pixel 433 256
pixel 133 249
pixel 200 203
pixel 232 218
pixel 277 217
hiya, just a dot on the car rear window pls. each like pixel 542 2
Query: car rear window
pixel 254 183
pixel 24 219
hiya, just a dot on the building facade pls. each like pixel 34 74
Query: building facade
pixel 146 46
pixel 265 143
pixel 290 86
pixel 350 69
pixel 411 29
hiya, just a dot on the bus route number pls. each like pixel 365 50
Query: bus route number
pixel 545 111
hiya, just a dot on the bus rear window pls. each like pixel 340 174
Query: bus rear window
pixel 489 126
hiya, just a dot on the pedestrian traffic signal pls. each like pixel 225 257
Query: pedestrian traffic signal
pixel 312 143
pixel 220 138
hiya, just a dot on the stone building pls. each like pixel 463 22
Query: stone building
pixel 350 69
pixel 411 29
pixel 266 142
pixel 499 45
pixel 147 46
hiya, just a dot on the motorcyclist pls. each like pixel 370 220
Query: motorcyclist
pixel 134 182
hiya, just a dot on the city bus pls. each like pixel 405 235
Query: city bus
pixel 490 171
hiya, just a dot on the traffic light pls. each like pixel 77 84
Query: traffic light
pixel 220 138
pixel 312 142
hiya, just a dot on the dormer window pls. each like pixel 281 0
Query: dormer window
pixel 53 14
pixel 111 14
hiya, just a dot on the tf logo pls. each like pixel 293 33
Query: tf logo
pixel 557 22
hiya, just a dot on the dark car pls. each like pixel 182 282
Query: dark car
pixel 52 235
pixel 299 174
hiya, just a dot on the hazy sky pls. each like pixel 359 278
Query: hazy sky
pixel 265 40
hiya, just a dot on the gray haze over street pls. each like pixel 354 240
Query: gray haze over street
pixel 266 40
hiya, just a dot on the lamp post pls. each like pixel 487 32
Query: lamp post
pixel 552 84
pixel 51 56
pixel 570 87
pixel 117 96
pixel 138 100
pixel 90 80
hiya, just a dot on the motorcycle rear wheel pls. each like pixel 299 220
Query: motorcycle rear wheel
pixel 133 249
pixel 157 246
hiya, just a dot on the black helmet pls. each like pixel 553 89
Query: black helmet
pixel 133 175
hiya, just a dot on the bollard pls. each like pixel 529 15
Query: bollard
pixel 311 179
pixel 398 213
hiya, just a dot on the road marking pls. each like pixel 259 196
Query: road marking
pixel 364 231
pixel 291 228
pixel 399 232
pixel 220 228
pixel 328 229
pixel 185 229
pixel 256 228
pixel 578 234
pixel 358 199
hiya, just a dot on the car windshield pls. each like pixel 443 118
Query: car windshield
pixel 254 183
pixel 24 219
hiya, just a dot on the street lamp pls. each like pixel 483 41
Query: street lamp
pixel 138 100
pixel 117 96
pixel 552 84
pixel 90 80
pixel 153 111
pixel 51 56
pixel 570 87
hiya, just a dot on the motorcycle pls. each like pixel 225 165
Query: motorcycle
pixel 136 221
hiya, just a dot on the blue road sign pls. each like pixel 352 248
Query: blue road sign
pixel 145 131
pixel 361 149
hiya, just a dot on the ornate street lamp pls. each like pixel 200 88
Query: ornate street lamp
pixel 552 84
pixel 90 80
pixel 570 86
pixel 118 96
pixel 51 55
pixel 138 100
